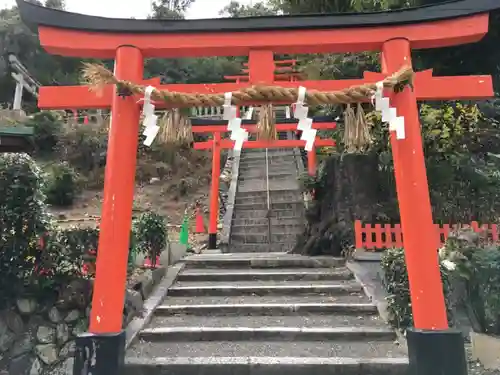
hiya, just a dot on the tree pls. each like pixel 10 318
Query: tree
pixel 56 4
pixel 235 10
pixel 170 9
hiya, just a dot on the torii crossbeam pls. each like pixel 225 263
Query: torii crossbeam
pixel 434 348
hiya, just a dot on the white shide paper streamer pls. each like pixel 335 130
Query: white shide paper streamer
pixel 305 122
pixel 389 114
pixel 238 134
pixel 150 119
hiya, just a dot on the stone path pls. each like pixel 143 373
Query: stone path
pixel 256 314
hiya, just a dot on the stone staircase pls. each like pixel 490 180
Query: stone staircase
pixel 254 228
pixel 265 314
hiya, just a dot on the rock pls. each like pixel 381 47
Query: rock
pixel 77 293
pixel 47 353
pixel 68 350
pixel 26 306
pixel 14 322
pixel 23 345
pixel 134 299
pixel 6 341
pixel 64 368
pixel 158 275
pixel 72 316
pixel 37 367
pixel 3 326
pixel 22 365
pixel 55 315
pixel 78 330
pixel 154 180
pixel 146 284
pixel 45 335
pixel 62 333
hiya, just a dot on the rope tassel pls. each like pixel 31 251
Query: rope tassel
pixel 176 128
pixel 266 127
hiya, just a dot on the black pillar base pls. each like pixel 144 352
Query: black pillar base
pixel 100 354
pixel 436 352
pixel 212 241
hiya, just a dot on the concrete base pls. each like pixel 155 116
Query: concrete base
pixel 362 255
pixel 173 254
pixel 100 354
pixel 436 352
pixel 212 241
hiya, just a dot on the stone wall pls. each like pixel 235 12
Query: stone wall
pixel 38 338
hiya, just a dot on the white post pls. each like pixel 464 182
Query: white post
pixel 18 96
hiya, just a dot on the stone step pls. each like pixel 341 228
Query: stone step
pixel 259 185
pixel 294 220
pixel 272 177
pixel 291 194
pixel 274 165
pixel 280 173
pixel 288 205
pixel 303 299
pixel 207 365
pixel 269 309
pixel 270 333
pixel 266 358
pixel 261 156
pixel 269 260
pixel 272 160
pixel 291 274
pixel 260 214
pixel 238 238
pixel 237 248
pixel 261 289
pixel 258 172
pixel 243 230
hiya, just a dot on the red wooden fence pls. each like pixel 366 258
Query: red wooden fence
pixel 385 236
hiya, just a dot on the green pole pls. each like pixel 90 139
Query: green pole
pixel 184 236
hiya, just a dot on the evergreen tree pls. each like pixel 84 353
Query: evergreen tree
pixel 170 9
pixel 56 4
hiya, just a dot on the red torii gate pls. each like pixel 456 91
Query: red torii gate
pixel 129 42
pixel 284 71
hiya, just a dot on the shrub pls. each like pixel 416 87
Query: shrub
pixel 84 147
pixel 76 251
pixel 23 219
pixel 61 185
pixel 151 235
pixel 47 128
pixel 476 262
pixel 69 252
pixel 308 183
pixel 397 286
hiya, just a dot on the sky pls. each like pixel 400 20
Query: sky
pixel 136 8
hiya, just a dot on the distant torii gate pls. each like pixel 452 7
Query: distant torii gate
pixel 217 144
pixel 281 72
pixel 434 349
